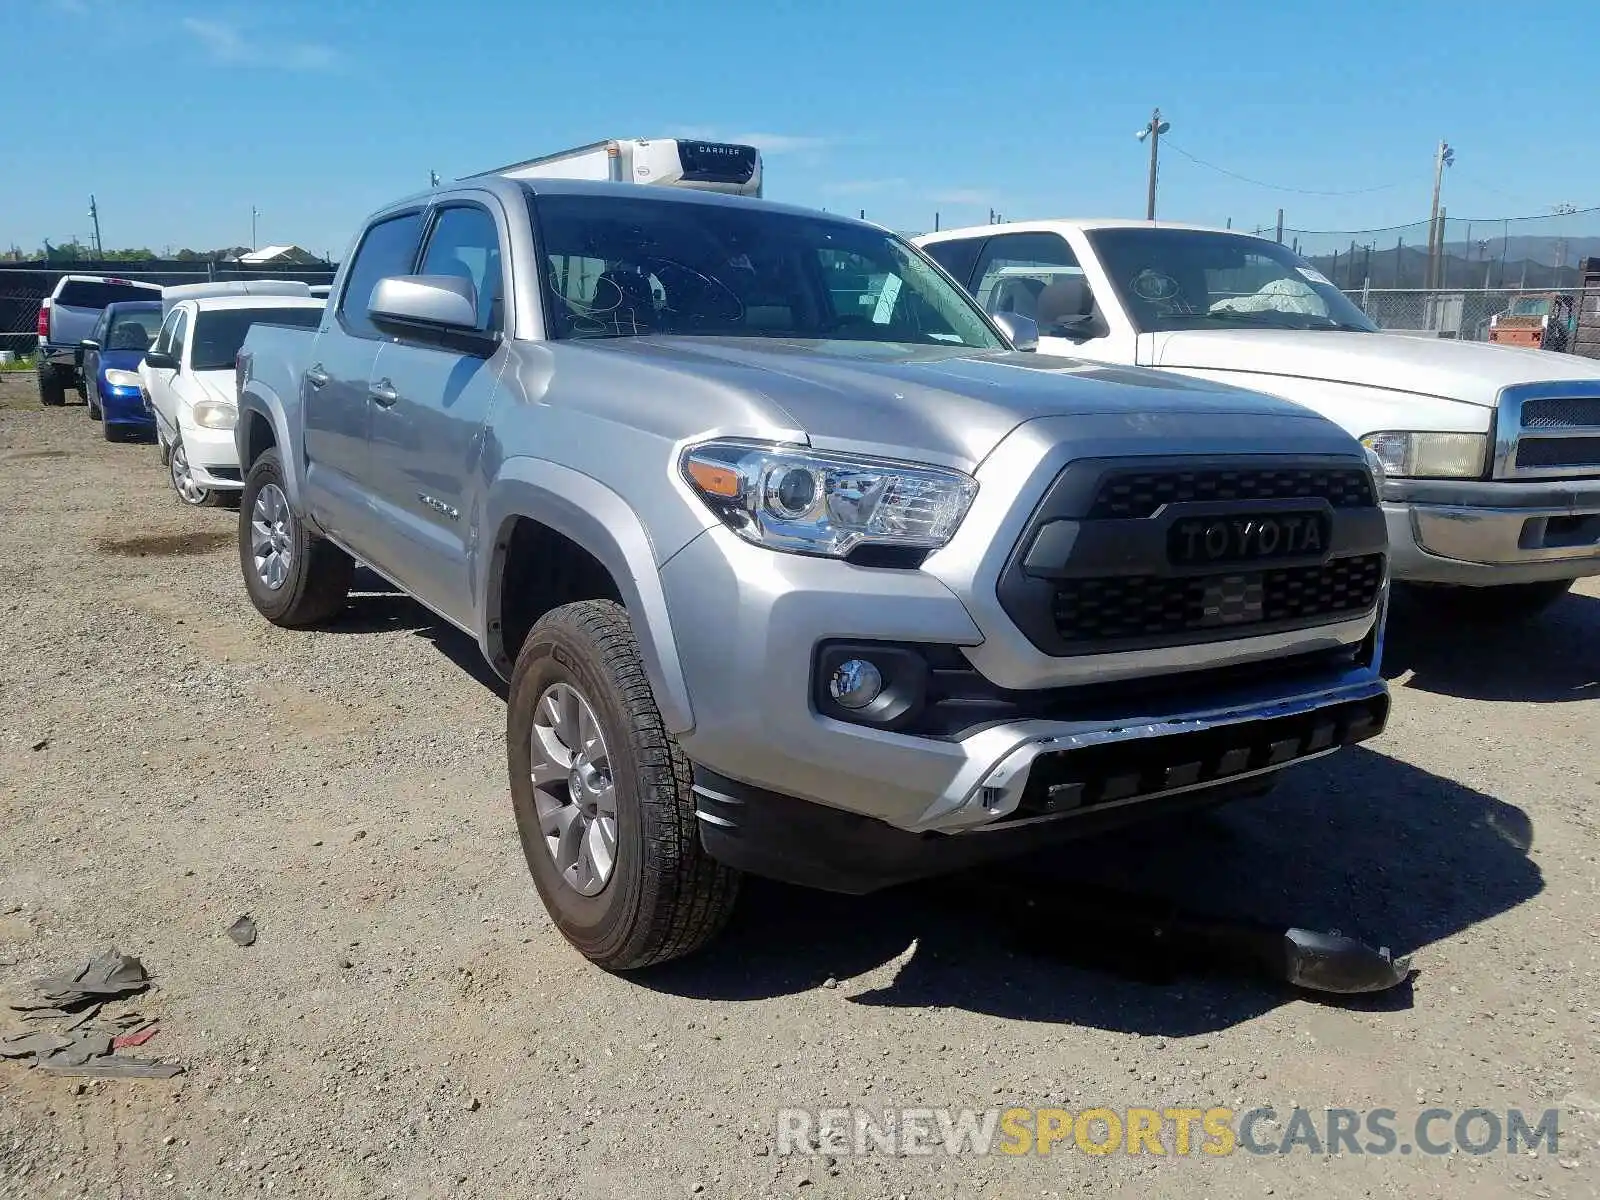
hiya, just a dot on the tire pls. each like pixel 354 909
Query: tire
pixel 112 432
pixel 95 414
pixel 1507 602
pixel 52 392
pixel 315 580
pixel 665 897
pixel 183 483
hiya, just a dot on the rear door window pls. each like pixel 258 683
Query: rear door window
pixel 958 256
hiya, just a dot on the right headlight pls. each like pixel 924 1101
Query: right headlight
pixel 215 414
pixel 811 502
pixel 1429 455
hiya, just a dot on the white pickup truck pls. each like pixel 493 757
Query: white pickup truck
pixel 1491 453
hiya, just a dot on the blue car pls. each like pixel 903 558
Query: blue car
pixel 111 358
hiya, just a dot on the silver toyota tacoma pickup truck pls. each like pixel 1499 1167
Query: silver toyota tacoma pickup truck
pixel 795 563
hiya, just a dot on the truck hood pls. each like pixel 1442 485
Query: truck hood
pixel 1470 371
pixel 951 403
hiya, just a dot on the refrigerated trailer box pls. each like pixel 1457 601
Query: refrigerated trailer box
pixel 681 162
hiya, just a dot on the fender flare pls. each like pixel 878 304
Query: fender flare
pixel 589 513
pixel 256 400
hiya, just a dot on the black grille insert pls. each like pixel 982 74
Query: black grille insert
pixel 1126 494
pixel 1564 412
pixel 1113 608
pixel 1559 452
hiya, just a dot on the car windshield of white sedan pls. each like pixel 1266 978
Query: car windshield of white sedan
pixel 219 334
pixel 621 267
pixel 1198 279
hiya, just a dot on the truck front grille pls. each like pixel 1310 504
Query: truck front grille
pixel 1559 452
pixel 1548 431
pixel 1113 608
pixel 1141 493
pixel 1561 412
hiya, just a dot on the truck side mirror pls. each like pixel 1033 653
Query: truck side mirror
pixel 1020 330
pixel 436 301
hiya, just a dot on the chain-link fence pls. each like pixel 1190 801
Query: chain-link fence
pixel 1505 253
pixel 23 289
pixel 1567 321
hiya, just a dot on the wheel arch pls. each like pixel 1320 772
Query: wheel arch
pixel 601 525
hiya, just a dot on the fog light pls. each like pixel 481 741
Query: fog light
pixel 855 683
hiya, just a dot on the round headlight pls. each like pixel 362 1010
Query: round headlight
pixel 855 683
pixel 792 492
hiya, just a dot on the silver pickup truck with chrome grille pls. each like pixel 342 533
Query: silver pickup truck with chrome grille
pixel 795 564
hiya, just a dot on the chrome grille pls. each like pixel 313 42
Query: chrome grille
pixel 1548 431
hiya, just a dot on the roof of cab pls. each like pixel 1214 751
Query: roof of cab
pixel 215 303
pixel 508 188
pixel 1081 223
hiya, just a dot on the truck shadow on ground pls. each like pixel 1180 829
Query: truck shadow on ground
pixel 1360 843
pixel 1551 658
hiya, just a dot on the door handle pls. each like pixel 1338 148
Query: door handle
pixel 316 376
pixel 383 393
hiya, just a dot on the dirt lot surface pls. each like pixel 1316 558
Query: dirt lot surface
pixel 408 1024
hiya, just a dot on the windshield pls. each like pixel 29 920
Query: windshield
pixel 620 267
pixel 218 334
pixel 1199 279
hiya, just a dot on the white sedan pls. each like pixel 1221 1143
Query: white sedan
pixel 188 383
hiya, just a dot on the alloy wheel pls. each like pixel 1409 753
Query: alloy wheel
pixel 573 789
pixel 271 536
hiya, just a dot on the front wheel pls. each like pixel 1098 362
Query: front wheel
pixel 1506 602
pixel 602 798
pixel 190 490
pixel 295 578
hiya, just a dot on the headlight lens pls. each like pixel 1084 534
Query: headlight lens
pixel 811 502
pixel 118 378
pixel 215 414
pixel 1429 455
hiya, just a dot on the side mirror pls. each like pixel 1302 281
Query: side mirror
pixel 160 360
pixel 1021 330
pixel 443 303
pixel 89 344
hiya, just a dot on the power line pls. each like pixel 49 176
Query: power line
pixel 1272 186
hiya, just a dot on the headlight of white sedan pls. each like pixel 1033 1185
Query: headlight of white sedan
pixel 116 378
pixel 1429 455
pixel 215 414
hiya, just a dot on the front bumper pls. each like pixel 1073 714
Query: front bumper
pixel 747 622
pixel 1487 533
pixel 213 456
pixel 125 406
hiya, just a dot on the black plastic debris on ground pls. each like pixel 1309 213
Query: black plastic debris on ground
pixel 243 931
pixel 83 1044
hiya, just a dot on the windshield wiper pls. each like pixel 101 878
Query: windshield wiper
pixel 1273 319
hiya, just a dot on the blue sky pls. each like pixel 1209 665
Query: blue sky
pixel 318 112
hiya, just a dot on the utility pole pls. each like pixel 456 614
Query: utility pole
pixel 94 214
pixel 1443 158
pixel 433 179
pixel 1153 131
pixel 1561 210
pixel 1280 227
pixel 254 213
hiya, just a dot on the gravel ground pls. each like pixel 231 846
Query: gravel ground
pixel 409 1024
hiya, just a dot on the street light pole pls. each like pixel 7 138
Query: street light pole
pixel 1153 131
pixel 254 213
pixel 1442 159
pixel 94 214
